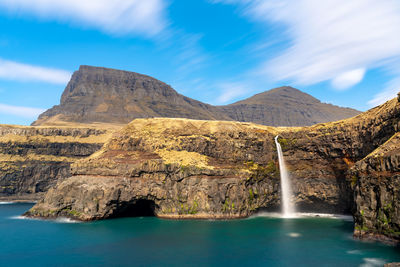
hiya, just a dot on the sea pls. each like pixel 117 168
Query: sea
pixel 262 240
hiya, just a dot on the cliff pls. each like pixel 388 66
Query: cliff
pixel 376 182
pixel 33 159
pixel 181 168
pixel 113 96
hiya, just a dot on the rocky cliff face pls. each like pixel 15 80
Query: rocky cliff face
pixel 184 168
pixel 33 159
pixel 376 183
pixel 114 96
pixel 179 168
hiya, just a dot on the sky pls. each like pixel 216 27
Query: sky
pixel 217 51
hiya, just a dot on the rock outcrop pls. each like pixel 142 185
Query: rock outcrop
pixel 184 168
pixel 376 181
pixel 113 96
pixel 33 159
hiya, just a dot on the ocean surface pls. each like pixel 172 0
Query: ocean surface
pixel 148 241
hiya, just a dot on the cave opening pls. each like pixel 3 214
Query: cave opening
pixel 137 208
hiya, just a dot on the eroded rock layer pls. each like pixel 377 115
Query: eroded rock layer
pixel 189 169
pixel 32 159
pixel 376 182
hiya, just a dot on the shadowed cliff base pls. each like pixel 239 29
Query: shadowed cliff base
pixel 138 208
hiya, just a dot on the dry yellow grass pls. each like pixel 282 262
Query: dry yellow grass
pixel 36 157
pixel 184 158
pixel 92 139
pixel 159 125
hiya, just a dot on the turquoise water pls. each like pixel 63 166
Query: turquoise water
pixel 149 241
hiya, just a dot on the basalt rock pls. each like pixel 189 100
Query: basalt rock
pixel 186 168
pixel 180 168
pixel 33 159
pixel 376 182
pixel 210 169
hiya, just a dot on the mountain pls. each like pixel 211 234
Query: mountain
pixel 106 95
pixel 285 106
pixel 96 94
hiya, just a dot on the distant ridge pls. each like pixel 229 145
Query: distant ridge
pixel 96 94
pixel 286 106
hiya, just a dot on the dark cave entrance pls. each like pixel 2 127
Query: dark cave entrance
pixel 137 208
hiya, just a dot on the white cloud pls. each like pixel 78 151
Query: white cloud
pixel 112 16
pixel 11 70
pixel 24 112
pixel 348 79
pixel 328 38
pixel 230 91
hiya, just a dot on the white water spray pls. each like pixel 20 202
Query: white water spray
pixel 287 206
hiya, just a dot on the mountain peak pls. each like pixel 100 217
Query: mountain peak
pixel 284 94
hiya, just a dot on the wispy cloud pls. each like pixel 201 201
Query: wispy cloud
pixel 336 40
pixel 392 87
pixel 190 56
pixel 390 91
pixel 348 79
pixel 144 17
pixel 25 112
pixel 231 91
pixel 16 71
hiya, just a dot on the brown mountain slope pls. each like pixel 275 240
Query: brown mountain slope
pixel 113 96
pixel 285 106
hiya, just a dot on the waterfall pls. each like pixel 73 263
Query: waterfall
pixel 287 206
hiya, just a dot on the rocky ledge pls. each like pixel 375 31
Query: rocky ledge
pixel 33 159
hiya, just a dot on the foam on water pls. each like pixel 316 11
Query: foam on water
pixel 65 220
pixel 372 262
pixel 58 220
pixel 294 235
pixel 303 215
pixel 5 203
pixel 20 217
pixel 354 252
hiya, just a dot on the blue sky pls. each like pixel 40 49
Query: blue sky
pixel 217 51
